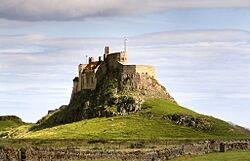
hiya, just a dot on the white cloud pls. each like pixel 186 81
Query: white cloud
pixel 200 38
pixel 33 10
pixel 195 36
pixel 36 49
pixel 237 96
pixel 205 69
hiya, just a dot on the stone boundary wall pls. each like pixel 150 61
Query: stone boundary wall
pixel 52 154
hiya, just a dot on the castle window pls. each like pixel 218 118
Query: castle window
pixel 92 80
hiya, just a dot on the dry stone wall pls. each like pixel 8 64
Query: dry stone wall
pixel 51 154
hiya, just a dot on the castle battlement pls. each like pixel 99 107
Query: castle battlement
pixel 89 74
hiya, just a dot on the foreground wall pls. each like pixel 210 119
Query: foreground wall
pixel 51 154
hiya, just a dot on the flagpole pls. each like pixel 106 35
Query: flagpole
pixel 125 43
pixel 86 59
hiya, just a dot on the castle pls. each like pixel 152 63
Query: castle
pixel 110 82
pixel 90 74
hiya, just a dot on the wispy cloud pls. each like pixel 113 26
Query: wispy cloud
pixel 32 10
pixel 195 66
pixel 195 36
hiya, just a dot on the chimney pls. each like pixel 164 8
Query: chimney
pixel 91 59
pixel 100 58
pixel 106 50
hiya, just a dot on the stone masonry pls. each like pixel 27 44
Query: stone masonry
pixel 89 74
pixel 58 154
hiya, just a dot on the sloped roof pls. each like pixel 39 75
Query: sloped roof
pixel 76 79
pixel 93 65
pixel 114 53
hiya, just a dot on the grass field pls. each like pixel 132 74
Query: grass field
pixel 147 127
pixel 137 126
pixel 8 124
pixel 228 156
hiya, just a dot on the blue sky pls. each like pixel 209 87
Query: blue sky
pixel 201 50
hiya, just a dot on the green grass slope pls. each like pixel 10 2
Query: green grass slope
pixel 7 122
pixel 147 124
pixel 228 156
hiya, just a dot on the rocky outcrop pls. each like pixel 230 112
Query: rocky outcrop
pixel 57 109
pixel 145 86
pixel 53 154
pixel 189 120
pixel 115 94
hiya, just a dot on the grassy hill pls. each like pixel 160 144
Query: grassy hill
pixel 7 122
pixel 159 119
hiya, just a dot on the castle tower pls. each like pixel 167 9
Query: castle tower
pixel 75 84
pixel 123 57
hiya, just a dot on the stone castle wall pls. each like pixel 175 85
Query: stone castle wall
pixel 88 80
pixel 101 72
pixel 112 60
pixel 80 69
pixel 172 151
pixel 128 69
pixel 116 64
pixel 145 70
pixel 138 69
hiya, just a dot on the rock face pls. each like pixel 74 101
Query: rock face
pixel 189 120
pixel 114 95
